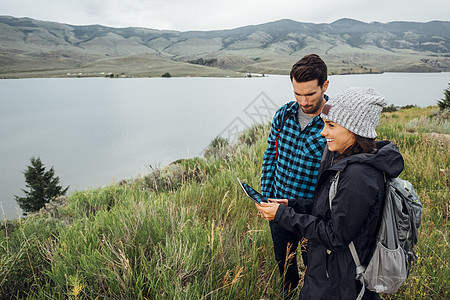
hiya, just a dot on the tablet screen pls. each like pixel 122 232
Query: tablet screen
pixel 252 193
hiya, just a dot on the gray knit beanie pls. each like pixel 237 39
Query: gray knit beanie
pixel 356 109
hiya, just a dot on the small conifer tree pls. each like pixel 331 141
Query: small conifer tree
pixel 445 102
pixel 43 186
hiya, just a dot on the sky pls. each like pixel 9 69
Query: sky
pixel 186 15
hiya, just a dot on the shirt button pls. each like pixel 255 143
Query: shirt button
pixel 290 170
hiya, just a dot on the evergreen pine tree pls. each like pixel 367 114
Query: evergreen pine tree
pixel 43 186
pixel 445 102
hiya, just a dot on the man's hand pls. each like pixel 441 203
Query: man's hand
pixel 280 201
pixel 267 210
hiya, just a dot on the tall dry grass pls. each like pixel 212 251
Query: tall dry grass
pixel 187 231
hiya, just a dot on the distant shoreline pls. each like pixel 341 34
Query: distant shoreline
pixel 40 75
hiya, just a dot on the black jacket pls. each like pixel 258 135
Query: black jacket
pixel 355 216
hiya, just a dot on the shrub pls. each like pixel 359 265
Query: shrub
pixel 175 175
pixel 409 106
pixel 219 147
pixel 393 108
pixel 433 124
pixel 164 179
pixel 390 108
pixel 411 126
pixel 252 134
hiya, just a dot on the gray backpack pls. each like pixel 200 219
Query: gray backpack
pixel 392 259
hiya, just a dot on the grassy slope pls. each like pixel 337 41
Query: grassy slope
pixel 203 240
pixel 341 60
pixel 131 66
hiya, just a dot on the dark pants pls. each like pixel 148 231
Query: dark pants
pixel 286 240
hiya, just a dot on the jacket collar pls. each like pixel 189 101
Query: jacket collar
pixel 387 159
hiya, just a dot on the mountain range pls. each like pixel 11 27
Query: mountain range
pixel 34 48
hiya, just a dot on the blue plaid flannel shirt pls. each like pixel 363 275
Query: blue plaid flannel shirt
pixel 294 174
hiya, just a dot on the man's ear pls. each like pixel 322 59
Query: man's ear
pixel 325 86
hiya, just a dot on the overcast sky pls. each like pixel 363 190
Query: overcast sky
pixel 184 15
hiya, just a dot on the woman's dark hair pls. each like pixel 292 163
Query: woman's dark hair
pixel 361 145
pixel 309 68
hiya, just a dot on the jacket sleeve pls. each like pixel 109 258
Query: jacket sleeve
pixel 357 192
pixel 301 206
pixel 269 161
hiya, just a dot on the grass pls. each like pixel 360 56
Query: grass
pixel 424 157
pixel 438 122
pixel 186 231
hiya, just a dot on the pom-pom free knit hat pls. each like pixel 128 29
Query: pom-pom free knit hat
pixel 356 109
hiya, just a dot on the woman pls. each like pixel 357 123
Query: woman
pixel 350 120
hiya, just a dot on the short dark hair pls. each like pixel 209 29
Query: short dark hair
pixel 361 145
pixel 310 67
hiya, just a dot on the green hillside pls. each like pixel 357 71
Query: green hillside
pixel 187 231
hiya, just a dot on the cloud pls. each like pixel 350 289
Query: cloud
pixel 210 14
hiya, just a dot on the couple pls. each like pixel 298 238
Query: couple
pixel 297 173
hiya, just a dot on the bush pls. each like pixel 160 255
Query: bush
pixel 175 175
pixel 411 126
pixel 219 147
pixel 409 106
pixel 164 179
pixel 390 108
pixel 434 124
pixel 252 134
pixel 393 108
pixel 166 75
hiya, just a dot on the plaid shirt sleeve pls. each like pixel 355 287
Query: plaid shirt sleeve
pixel 269 162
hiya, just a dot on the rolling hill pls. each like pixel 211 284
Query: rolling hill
pixel 33 48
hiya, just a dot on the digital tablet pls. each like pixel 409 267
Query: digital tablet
pixel 251 193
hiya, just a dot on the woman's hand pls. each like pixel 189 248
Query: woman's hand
pixel 267 210
pixel 280 201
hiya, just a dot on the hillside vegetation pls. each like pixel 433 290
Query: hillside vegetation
pixel 32 48
pixel 187 231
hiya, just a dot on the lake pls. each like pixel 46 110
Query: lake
pixel 96 131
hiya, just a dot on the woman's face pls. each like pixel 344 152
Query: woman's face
pixel 338 137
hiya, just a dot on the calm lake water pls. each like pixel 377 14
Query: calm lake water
pixel 95 131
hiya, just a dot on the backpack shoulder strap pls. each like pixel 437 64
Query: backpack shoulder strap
pixel 332 193
pixel 359 268
pixel 283 116
pixel 333 187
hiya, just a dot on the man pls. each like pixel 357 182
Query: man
pixel 292 158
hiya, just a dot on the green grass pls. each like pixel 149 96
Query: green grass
pixel 187 231
pixel 424 157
